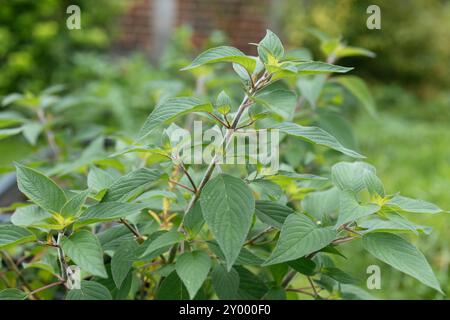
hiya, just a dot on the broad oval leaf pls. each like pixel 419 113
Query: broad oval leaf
pixel 172 288
pixel 193 268
pixel 223 54
pixel 351 210
pixel 299 237
pixel 272 213
pixel 355 176
pixel 225 282
pixel 228 205
pixel 360 91
pixel 85 250
pixel 163 240
pixel 89 290
pixel 11 235
pixel 35 217
pixel 40 189
pixel 170 109
pixel 413 205
pixel 314 67
pixel 12 294
pixel 315 135
pixel 73 206
pixel 402 255
pixel 270 45
pixel 108 211
pixel 122 261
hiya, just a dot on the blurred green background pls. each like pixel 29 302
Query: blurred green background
pixel 408 142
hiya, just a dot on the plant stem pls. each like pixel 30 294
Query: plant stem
pixel 10 263
pixel 316 294
pixel 257 236
pixel 133 230
pixel 61 257
pixel 181 185
pixel 54 284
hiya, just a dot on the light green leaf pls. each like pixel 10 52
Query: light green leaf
pixel 34 216
pixel 299 237
pixel 164 240
pixel 74 205
pixel 193 220
pixel 223 54
pixel 344 51
pixel 351 210
pixel 193 268
pixel 315 135
pixel 402 255
pixel 40 189
pixel 270 45
pixel 310 88
pixel 228 206
pixel 395 223
pixel 225 283
pixel 31 131
pixel 90 290
pixel 122 261
pixel 12 294
pixel 169 110
pixel 321 204
pixel 355 176
pixel 280 102
pixel 413 205
pixel 85 250
pixel 272 213
pixel 99 179
pixel 10 118
pixel 358 88
pixel 11 235
pixel 108 211
pixel 131 185
pixel 314 67
pixel 6 133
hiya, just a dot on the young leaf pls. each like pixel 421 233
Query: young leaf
pixel 13 235
pixel 85 250
pixel 170 109
pixel 413 205
pixel 40 189
pixel 73 206
pixel 34 216
pixel 223 54
pixel 228 205
pixel 193 268
pixel 12 294
pixel 122 261
pixel 272 213
pixel 280 102
pixel 299 237
pixel 131 184
pixel 270 45
pixel 402 255
pixel 225 283
pixel 355 176
pixel 90 290
pixel 99 179
pixel 360 91
pixel 315 135
pixel 321 204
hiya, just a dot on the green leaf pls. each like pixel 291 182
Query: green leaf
pixel 90 290
pixel 304 266
pixel 339 275
pixel 73 206
pixel 6 133
pixel 225 283
pixel 397 224
pixel 245 257
pixel 270 45
pixel 10 118
pixel 40 189
pixel 31 131
pixel 193 268
pixel 315 135
pixel 131 184
pixel 33 216
pixel 112 238
pixel 85 250
pixel 402 255
pixel 164 240
pixel 311 88
pixel 122 261
pixel 358 88
pixel 351 210
pixel 172 288
pixel 351 292
pixel 355 176
pixel 251 287
pixel 169 110
pixel 321 204
pixel 108 211
pixel 11 235
pixel 413 205
pixel 99 179
pixel 314 67
pixel 299 237
pixel 223 54
pixel 228 205
pixel 344 51
pixel 12 294
pixel 193 220
pixel 279 102
pixel 272 213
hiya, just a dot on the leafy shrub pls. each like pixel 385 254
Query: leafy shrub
pixel 149 225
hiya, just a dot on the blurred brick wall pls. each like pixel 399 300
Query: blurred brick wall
pixel 243 21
